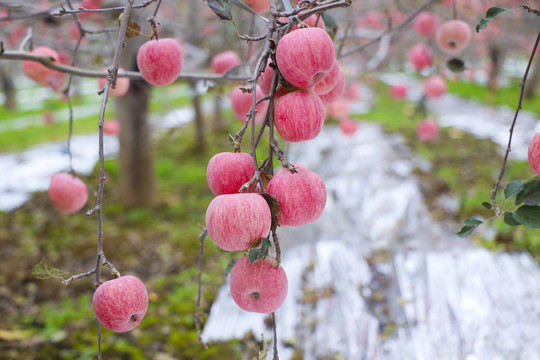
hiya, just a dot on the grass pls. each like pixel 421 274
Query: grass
pixel 462 166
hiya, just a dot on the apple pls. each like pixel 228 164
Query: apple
pixel 120 304
pixel 160 61
pixel 37 71
pixel 227 172
pixel 353 91
pixel 453 36
pixel 305 56
pixel 348 127
pixel 47 117
pixel 425 24
pixel 259 287
pixel 328 83
pixel 259 6
pixel 301 196
pixel 112 127
pixel 241 104
pixel 427 129
pixel 420 56
pixel 339 109
pixel 534 153
pixel 337 91
pixel 398 91
pixel 265 79
pixel 434 87
pixel 237 222
pixel 225 61
pixel 122 84
pixel 299 116
pixel 67 192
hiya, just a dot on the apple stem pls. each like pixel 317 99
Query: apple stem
pixel 255 295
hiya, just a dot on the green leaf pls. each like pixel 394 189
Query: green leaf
pixel 456 65
pixel 528 216
pixel 44 270
pixel 230 266
pixel 487 205
pixel 221 8
pixel 513 188
pixel 530 194
pixel 491 14
pixel 330 24
pixel 260 253
pixel 509 219
pixel 470 225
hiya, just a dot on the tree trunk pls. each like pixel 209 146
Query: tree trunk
pixel 495 55
pixel 199 122
pixel 218 113
pixel 8 87
pixel 137 178
pixel 532 81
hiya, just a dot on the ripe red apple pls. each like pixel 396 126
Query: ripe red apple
pixel 420 56
pixel 328 83
pixel 224 61
pixel 348 127
pixel 339 109
pixel 435 86
pixel 398 91
pixel 241 104
pixel 305 56
pixel 160 61
pixel 299 116
pixel 427 129
pixel 238 222
pixel 259 287
pixel 68 193
pixel 265 80
pixel 120 304
pixel 301 196
pixel 259 6
pixel 337 91
pixel 453 36
pixel 353 91
pixel 112 127
pixel 425 24
pixel 227 172
pixel 37 71
pixel 122 85
pixel 534 153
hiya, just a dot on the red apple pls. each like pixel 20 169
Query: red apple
pixel 241 104
pixel 348 127
pixel 301 196
pixel 425 24
pixel 112 127
pixel 227 172
pixel 299 116
pixel 265 80
pixel 160 61
pixel 259 287
pixel 305 56
pixel 420 56
pixel 122 84
pixel 48 118
pixel 337 91
pixel 68 193
pixel 398 91
pixel 259 6
pixel 435 86
pixel 534 153
pixel 453 36
pixel 37 71
pixel 237 222
pixel 339 109
pixel 225 61
pixel 353 91
pixel 120 304
pixel 427 129
pixel 328 83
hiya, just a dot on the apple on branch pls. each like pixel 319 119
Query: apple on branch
pixel 67 192
pixel 160 61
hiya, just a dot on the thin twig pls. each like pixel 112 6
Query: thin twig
pixel 120 8
pixel 276 357
pixel 511 131
pixel 198 320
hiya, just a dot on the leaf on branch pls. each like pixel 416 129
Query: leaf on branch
pixel 487 205
pixel 260 253
pixel 275 209
pixel 513 188
pixel 509 219
pixel 221 8
pixel 528 216
pixel 133 30
pixel 456 65
pixel 530 194
pixel 44 270
pixel 491 14
pixel 266 177
pixel 470 225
